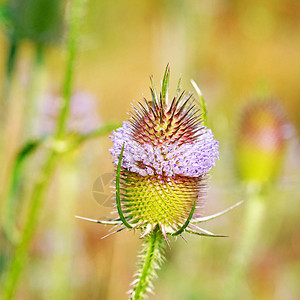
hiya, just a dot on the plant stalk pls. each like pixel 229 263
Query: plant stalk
pixel 35 207
pixel 151 259
pixel 61 261
pixel 76 9
pixel 10 66
pixel 31 106
pixel 244 252
pixel 40 187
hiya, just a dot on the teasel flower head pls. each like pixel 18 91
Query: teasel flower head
pixel 261 141
pixel 162 156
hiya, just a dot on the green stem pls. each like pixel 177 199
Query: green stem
pixel 11 203
pixel 10 66
pixel 12 199
pixel 11 59
pixel 244 252
pixel 151 259
pixel 61 261
pixel 29 227
pixel 75 15
pixel 40 187
pixel 107 128
pixel 31 106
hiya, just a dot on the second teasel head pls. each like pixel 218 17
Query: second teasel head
pixel 260 141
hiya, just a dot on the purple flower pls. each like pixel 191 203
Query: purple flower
pixel 83 113
pixel 192 159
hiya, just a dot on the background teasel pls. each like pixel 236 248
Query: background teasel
pixel 40 22
pixel 261 141
pixel 260 145
pixel 162 155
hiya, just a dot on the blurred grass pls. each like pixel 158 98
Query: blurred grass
pixel 229 48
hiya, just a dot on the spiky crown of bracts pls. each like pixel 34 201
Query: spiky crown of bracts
pixel 166 153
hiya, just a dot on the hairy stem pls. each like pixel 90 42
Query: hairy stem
pixel 151 258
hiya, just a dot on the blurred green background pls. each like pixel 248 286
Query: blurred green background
pixel 236 51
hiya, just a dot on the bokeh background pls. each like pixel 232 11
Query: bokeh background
pixel 237 52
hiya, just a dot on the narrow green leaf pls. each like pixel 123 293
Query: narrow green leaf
pixel 118 200
pixel 12 203
pixel 185 225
